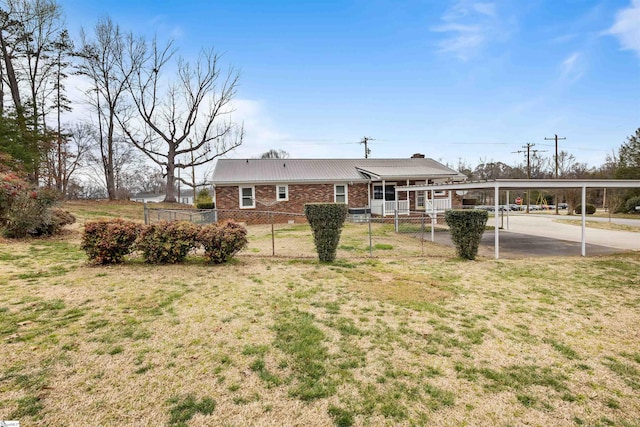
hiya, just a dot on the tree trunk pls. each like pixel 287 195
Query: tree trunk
pixel 109 172
pixel 170 196
pixel 13 82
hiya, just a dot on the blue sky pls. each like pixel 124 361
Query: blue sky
pixel 455 80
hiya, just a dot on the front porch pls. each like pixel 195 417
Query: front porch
pixel 386 201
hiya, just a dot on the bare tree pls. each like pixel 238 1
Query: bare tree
pixel 9 34
pixel 184 122
pixel 275 154
pixel 108 65
pixel 28 33
pixel 125 160
pixel 40 26
pixel 70 154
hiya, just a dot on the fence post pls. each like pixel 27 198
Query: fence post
pixel 395 219
pixel 370 240
pixel 273 236
pixel 146 217
pixel 422 232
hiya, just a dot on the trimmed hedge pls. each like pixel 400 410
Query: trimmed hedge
pixel 467 227
pixel 326 221
pixel 167 242
pixel 222 241
pixel 590 209
pixel 205 205
pixel 108 241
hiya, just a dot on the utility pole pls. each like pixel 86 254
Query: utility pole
pixel 365 141
pixel 556 139
pixel 528 147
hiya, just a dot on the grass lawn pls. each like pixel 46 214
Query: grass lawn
pixel 389 340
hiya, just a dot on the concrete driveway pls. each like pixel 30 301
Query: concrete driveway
pixel 539 235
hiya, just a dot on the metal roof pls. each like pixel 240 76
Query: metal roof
pixel 246 171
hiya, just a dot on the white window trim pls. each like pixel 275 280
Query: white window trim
pixel 424 200
pixel 424 196
pixel 286 191
pixel 346 193
pixel 253 197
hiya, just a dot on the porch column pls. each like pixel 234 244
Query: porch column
pixel 384 198
pixel 584 219
pixel 408 201
pixel 433 218
pixel 450 200
pixel 496 199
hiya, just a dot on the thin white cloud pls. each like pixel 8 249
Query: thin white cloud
pixel 488 9
pixel 571 68
pixel 626 27
pixel 467 26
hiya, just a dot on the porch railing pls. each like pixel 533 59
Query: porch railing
pixel 439 205
pixel 401 205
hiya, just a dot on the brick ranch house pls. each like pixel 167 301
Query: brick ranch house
pixel 243 187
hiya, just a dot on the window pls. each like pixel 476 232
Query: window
pixel 420 196
pixel 282 192
pixel 420 199
pixel 247 199
pixel 377 192
pixel 340 193
pixel 389 192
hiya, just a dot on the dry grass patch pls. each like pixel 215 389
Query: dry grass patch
pixel 262 341
pixel 601 225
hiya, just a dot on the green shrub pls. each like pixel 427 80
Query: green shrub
pixel 632 203
pixel 205 205
pixel 108 241
pixel 29 213
pixel 467 227
pixel 590 209
pixel 222 241
pixel 204 200
pixel 326 220
pixel 167 242
pixel 58 219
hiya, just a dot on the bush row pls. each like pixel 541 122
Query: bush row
pixel 165 242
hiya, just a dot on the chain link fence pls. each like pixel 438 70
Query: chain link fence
pixel 283 234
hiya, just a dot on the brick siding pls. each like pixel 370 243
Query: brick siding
pixel 227 199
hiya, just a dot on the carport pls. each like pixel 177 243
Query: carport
pixel 521 184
